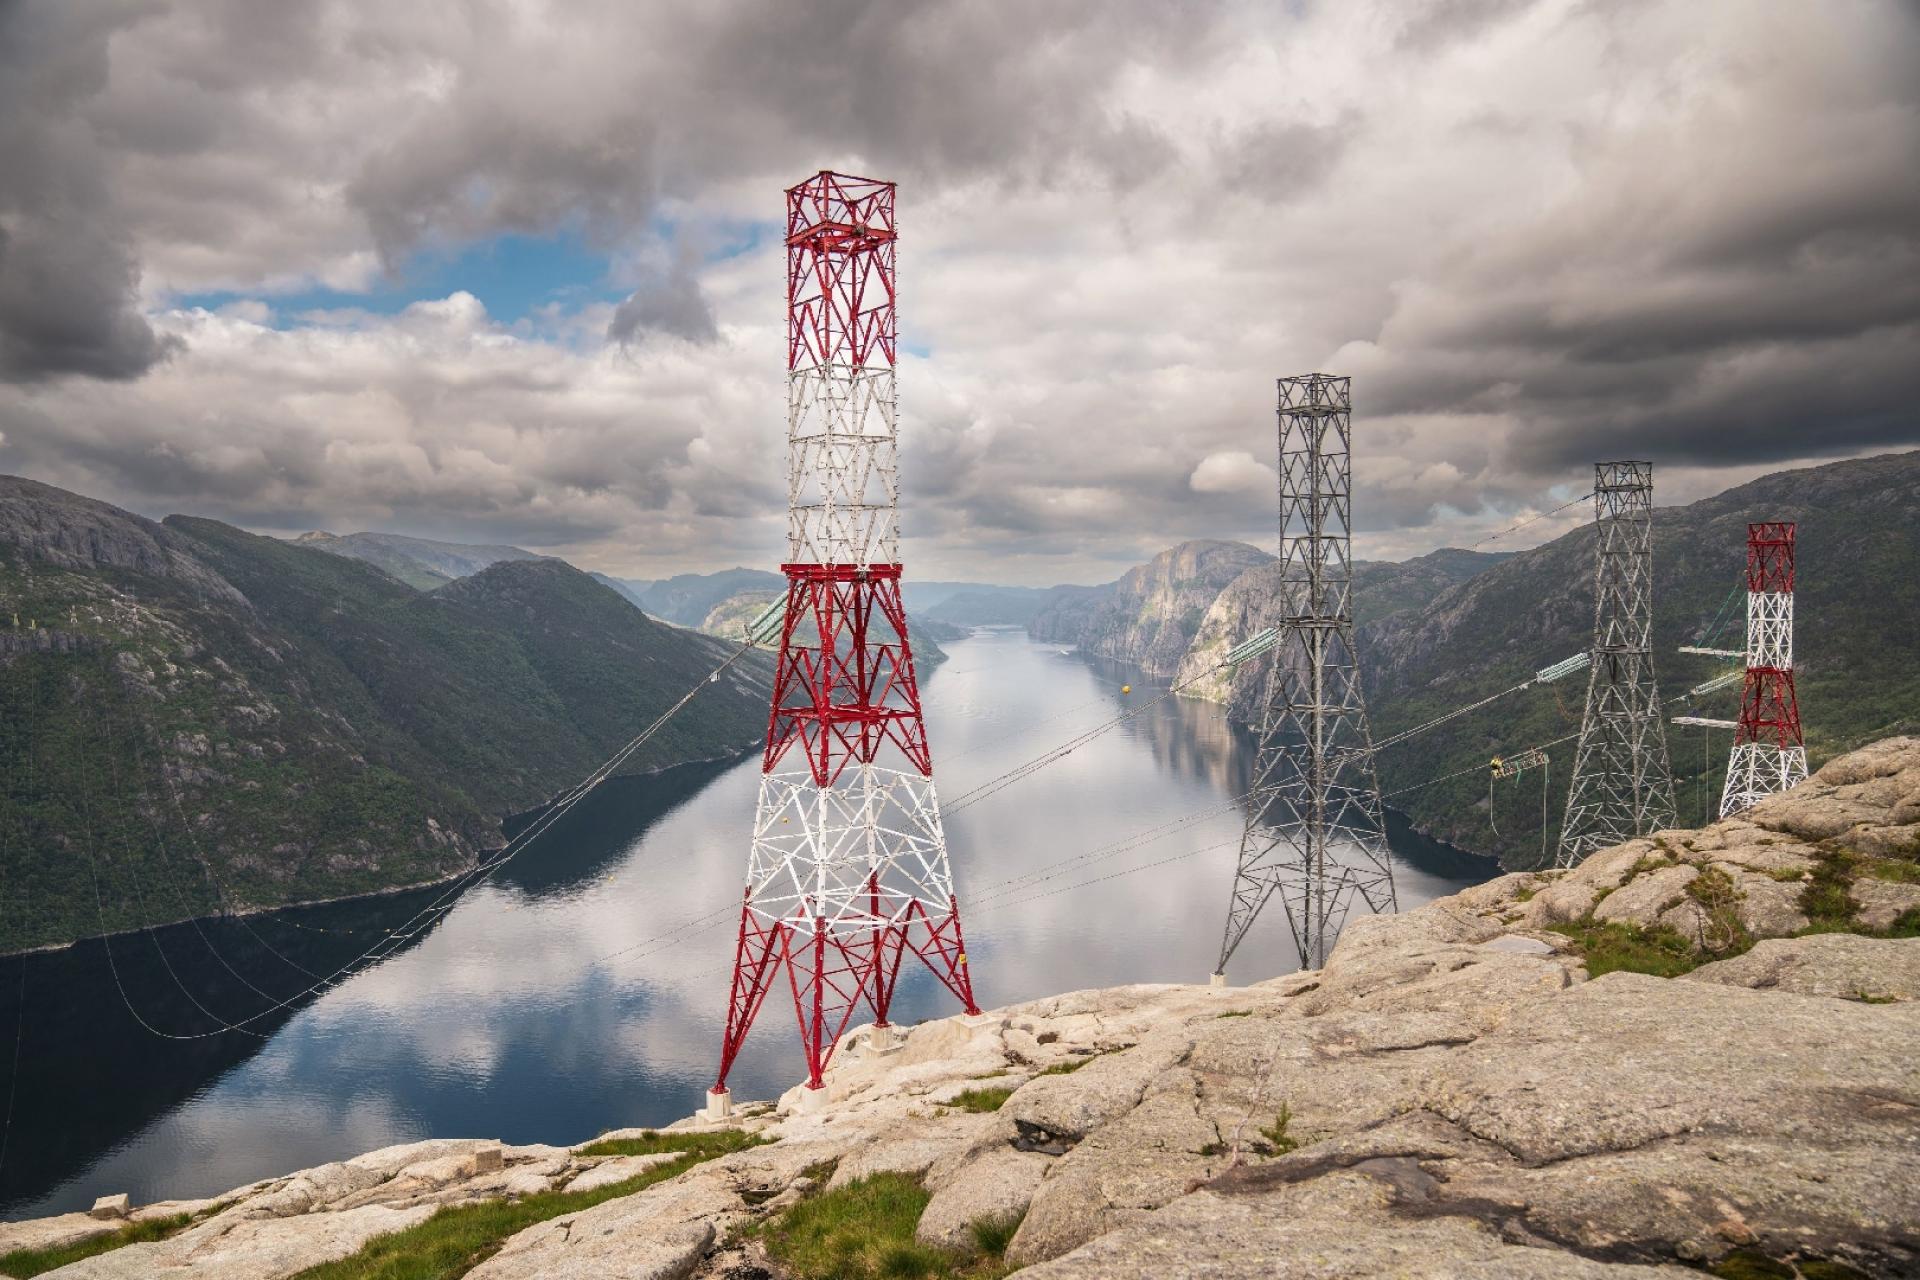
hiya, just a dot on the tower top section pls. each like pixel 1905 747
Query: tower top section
pixel 1770 556
pixel 840 273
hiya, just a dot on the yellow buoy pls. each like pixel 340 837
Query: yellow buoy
pixel 1126 688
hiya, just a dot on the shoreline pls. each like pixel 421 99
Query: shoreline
pixel 386 891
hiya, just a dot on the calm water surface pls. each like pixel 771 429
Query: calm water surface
pixel 527 1014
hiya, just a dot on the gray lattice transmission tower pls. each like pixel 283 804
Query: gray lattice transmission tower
pixel 1622 783
pixel 1314 833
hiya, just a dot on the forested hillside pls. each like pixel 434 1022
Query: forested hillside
pixel 1856 651
pixel 202 719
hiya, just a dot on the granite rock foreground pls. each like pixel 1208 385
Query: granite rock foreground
pixel 1452 1095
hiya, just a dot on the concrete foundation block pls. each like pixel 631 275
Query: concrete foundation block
pixel 719 1105
pixel 109 1208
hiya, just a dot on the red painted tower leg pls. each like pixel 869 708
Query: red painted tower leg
pixel 849 869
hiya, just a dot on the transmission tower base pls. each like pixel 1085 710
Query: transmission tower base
pixel 719 1105
pixel 1216 980
pixel 812 1101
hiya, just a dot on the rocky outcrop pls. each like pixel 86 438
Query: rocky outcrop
pixel 1065 611
pixel 1256 599
pixel 1454 1093
pixel 1841 846
pixel 72 532
pixel 1153 612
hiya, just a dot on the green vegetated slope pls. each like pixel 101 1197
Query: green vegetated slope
pixel 200 718
pixel 1857 655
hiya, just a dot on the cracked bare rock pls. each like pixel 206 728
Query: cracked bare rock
pixel 52 1233
pixel 659 1233
pixel 1153 1154
pixel 1627 1059
pixel 913 1154
pixel 1065 1108
pixel 1767 907
pixel 1870 798
pixel 619 1169
pixel 312 1188
pixel 1883 901
pixel 1562 900
pixel 1643 899
pixel 1840 965
pixel 1339 1227
pixel 996 1184
pixel 230 1247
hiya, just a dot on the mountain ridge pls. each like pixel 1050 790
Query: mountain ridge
pixel 240 722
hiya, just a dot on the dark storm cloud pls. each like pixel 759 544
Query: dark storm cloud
pixel 1535 233
pixel 672 305
pixel 69 277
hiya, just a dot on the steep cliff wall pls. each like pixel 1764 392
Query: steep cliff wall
pixel 1152 613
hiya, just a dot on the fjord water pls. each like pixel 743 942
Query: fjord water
pixel 528 1014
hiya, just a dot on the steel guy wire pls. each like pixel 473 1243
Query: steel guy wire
pixel 105 726
pixel 1531 519
pixel 160 842
pixel 456 886
pixel 1030 767
pixel 20 1010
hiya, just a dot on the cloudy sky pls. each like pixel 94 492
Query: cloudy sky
pixel 512 271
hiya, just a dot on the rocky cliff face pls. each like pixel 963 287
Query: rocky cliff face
pixel 1150 616
pixel 1065 611
pixel 1254 600
pixel 1476 1088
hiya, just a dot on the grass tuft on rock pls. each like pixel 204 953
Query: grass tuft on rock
pixel 32 1262
pixel 1279 1142
pixel 460 1237
pixel 653 1143
pixel 1609 946
pixel 991 1236
pixel 1826 902
pixel 980 1100
pixel 864 1231
pixel 1073 1065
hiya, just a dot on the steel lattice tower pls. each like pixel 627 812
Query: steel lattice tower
pixel 848 869
pixel 1314 830
pixel 1769 754
pixel 1622 784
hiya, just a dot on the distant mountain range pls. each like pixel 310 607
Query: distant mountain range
pixel 418 562
pixel 202 719
pixel 730 618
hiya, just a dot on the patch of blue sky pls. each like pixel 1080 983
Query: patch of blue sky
pixel 513 276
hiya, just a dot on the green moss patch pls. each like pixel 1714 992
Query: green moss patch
pixel 460 1237
pixel 1607 947
pixel 864 1231
pixel 31 1262
pixel 979 1100
pixel 711 1142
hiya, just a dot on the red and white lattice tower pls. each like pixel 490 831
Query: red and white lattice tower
pixel 849 866
pixel 1769 755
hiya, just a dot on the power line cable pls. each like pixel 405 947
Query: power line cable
pixel 440 906
pixel 1531 520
